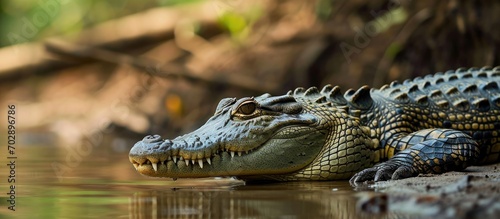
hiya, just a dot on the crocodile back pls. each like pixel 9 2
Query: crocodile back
pixel 465 99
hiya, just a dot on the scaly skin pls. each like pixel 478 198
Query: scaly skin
pixel 442 122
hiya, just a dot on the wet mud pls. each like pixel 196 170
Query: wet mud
pixel 472 193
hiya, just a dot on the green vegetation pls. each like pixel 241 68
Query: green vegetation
pixel 239 24
pixel 31 20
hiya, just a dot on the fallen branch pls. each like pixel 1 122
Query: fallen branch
pixel 149 28
pixel 72 52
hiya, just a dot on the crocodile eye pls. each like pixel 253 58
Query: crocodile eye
pixel 247 108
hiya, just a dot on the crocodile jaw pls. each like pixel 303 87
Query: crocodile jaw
pixel 277 155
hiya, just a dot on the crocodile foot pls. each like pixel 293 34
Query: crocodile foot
pixel 440 150
pixel 391 169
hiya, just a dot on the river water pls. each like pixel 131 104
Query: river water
pixel 51 182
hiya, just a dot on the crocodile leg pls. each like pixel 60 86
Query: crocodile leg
pixel 425 151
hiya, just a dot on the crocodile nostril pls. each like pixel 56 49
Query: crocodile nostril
pixel 151 138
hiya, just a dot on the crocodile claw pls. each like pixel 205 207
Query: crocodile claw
pixel 364 175
pixel 392 169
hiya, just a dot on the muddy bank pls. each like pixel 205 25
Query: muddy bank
pixel 473 193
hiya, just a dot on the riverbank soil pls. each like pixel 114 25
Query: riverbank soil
pixel 472 193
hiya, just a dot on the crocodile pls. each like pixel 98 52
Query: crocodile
pixel 441 122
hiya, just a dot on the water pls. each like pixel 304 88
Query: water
pixel 51 183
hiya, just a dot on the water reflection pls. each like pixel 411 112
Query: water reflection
pixel 288 200
pixel 105 185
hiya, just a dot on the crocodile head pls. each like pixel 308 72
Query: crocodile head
pixel 251 138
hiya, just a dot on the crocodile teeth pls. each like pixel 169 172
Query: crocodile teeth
pixel 239 153
pixel 192 161
pixel 187 162
pixel 209 161
pixel 155 166
pixel 200 162
pixel 232 153
pixel 175 159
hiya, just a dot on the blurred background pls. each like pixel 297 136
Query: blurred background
pixel 90 78
pixel 129 68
